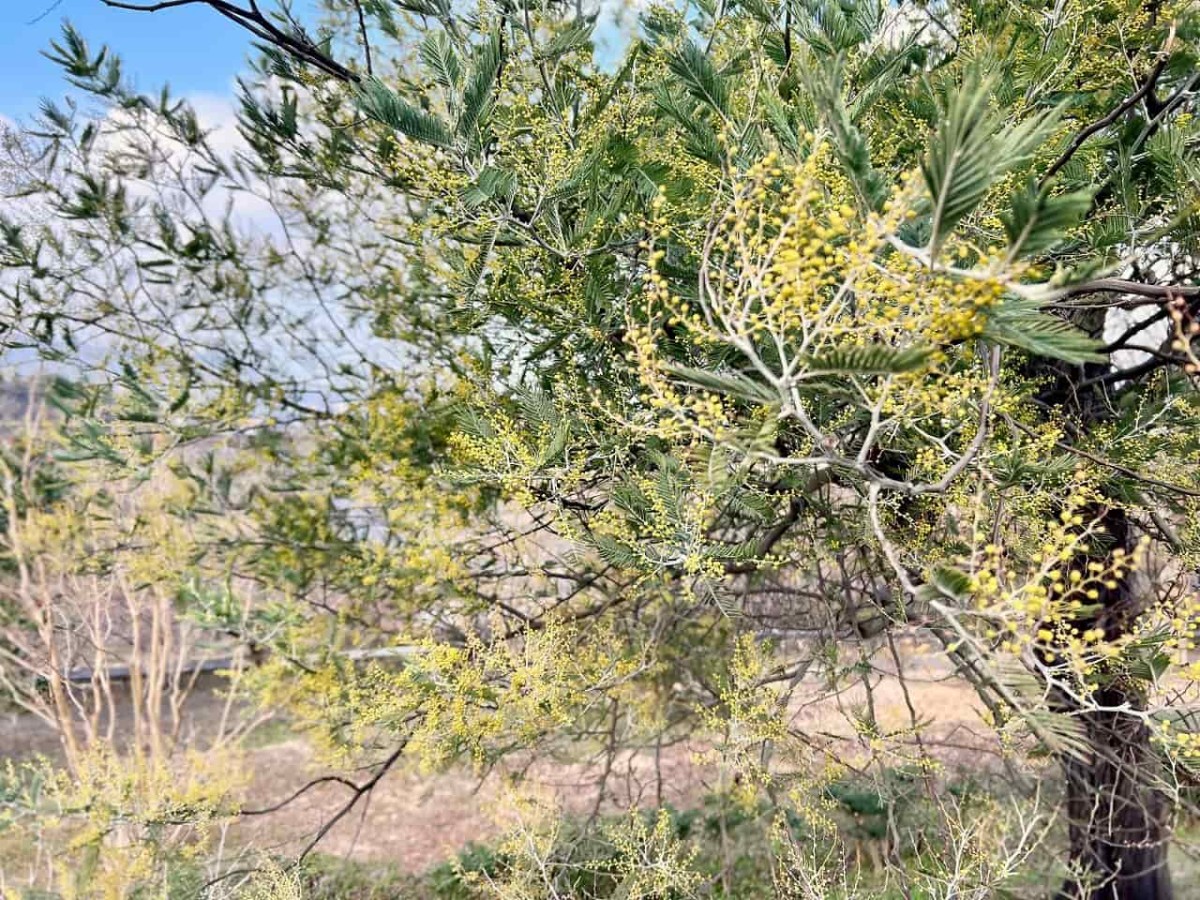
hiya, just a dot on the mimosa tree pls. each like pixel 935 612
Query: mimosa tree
pixel 586 361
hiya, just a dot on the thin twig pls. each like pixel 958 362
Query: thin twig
pixel 360 791
pixel 1100 124
pixel 362 30
pixel 1108 464
pixel 259 25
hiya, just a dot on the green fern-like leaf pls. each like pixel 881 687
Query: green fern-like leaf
pixel 870 359
pixel 1064 735
pixel 780 123
pixel 576 36
pixel 1038 220
pixel 969 152
pixel 1022 324
pixel 826 84
pixel 382 104
pixel 613 551
pixel 491 183
pixel 830 28
pixel 477 97
pixel 727 383
pixel 700 77
pixel 441 59
pixel 701 140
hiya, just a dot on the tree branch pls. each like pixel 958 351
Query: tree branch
pixel 360 791
pixel 253 20
pixel 1125 105
pixel 1155 292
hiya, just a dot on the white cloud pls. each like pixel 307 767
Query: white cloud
pixel 218 113
pixel 306 321
pixel 1162 262
pixel 124 135
pixel 1151 338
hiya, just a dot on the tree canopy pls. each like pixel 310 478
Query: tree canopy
pixel 526 380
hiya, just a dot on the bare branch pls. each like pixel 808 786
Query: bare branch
pixel 1123 107
pixel 253 20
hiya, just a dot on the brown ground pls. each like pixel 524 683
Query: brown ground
pixel 415 819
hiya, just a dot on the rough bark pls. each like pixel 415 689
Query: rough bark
pixel 1118 819
pixel 1118 816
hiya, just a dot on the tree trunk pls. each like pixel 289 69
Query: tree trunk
pixel 1118 819
pixel 1118 816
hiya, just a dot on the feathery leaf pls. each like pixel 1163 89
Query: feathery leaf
pixel 1022 324
pixel 382 104
pixel 1038 220
pixel 700 76
pixel 477 96
pixel 870 359
pixel 969 152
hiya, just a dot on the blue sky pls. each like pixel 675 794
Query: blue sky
pixel 192 49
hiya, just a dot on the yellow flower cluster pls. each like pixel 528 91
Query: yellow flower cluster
pixel 1181 745
pixel 464 702
pixel 124 820
pixel 793 273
